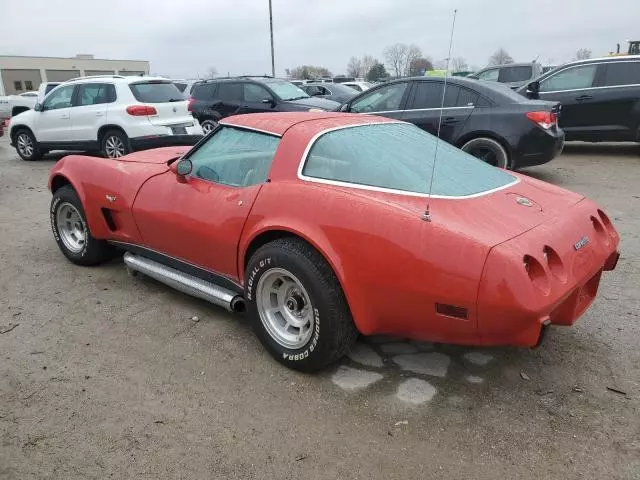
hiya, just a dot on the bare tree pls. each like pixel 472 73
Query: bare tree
pixel 458 64
pixel 500 57
pixel 583 54
pixel 354 67
pixel 287 71
pixel 309 72
pixel 396 58
pixel 365 65
pixel 413 53
pixel 212 72
pixel 419 65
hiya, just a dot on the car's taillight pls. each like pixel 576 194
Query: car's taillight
pixel 141 110
pixel 190 104
pixel 545 120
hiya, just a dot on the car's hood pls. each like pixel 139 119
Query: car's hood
pixel 312 102
pixel 495 217
pixel 156 155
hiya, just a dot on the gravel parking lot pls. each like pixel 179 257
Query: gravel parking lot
pixel 109 376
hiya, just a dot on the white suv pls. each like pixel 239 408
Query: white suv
pixel 110 114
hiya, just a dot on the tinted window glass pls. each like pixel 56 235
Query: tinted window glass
pixel 230 92
pixel 466 97
pixel 515 74
pixel 570 79
pixel 399 156
pixel 255 93
pixel 203 91
pixel 156 92
pixel 622 73
pixel 61 98
pixel 181 87
pixel 96 93
pixel 235 157
pixel 286 90
pixel 429 95
pixel 381 99
pixel 50 87
pixel 489 75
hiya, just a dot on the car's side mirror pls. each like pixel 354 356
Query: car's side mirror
pixel 345 107
pixel 38 107
pixel 181 168
pixel 534 87
pixel 269 101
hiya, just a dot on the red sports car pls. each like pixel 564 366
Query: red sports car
pixel 315 223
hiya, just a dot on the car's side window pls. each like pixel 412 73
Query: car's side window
pixel 382 99
pixel 622 73
pixel 61 98
pixel 235 157
pixel 573 78
pixel 255 93
pixel 428 94
pixel 230 92
pixel 489 75
pixel 203 91
pixel 95 94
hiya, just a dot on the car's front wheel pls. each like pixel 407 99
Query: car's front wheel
pixel 208 124
pixel 488 150
pixel 27 146
pixel 115 144
pixel 70 229
pixel 298 309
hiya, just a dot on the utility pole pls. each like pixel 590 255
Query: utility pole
pixel 273 63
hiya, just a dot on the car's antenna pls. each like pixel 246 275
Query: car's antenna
pixel 426 216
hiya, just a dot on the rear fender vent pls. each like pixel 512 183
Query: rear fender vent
pixel 108 218
pixel 452 311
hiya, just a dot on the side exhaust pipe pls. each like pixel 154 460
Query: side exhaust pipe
pixel 185 283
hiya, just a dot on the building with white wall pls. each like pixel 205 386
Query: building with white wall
pixel 20 74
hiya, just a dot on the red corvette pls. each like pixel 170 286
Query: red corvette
pixel 315 223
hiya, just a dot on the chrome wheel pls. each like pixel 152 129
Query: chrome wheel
pixel 208 125
pixel 25 145
pixel 71 228
pixel 285 308
pixel 114 147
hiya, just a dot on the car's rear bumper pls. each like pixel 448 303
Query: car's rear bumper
pixel 156 141
pixel 538 147
pixel 548 275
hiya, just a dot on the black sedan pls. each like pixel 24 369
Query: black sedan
pixel 332 91
pixel 485 119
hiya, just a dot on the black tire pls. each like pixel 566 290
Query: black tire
pixel 487 150
pixel 333 331
pixel 93 251
pixel 115 141
pixel 208 124
pixel 26 145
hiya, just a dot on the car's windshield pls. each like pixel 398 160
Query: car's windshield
pixel 156 91
pixel 516 74
pixel 399 157
pixel 286 90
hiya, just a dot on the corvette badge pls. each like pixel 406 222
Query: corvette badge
pixel 581 243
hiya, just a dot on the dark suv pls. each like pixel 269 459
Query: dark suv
pixel 212 100
pixel 600 98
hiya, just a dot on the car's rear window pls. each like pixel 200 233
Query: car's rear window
pixel 399 157
pixel 156 92
pixel 515 74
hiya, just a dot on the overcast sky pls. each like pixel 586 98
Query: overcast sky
pixel 186 38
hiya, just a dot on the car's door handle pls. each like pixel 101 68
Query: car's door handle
pixel 99 114
pixel 64 116
pixel 584 97
pixel 450 120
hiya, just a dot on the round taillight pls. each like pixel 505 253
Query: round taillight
pixel 600 230
pixel 536 274
pixel 605 221
pixel 554 262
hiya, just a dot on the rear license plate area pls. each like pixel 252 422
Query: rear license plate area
pixel 178 130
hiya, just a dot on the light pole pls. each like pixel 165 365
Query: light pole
pixel 273 63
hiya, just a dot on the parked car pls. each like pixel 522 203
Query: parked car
pixel 315 223
pixel 512 74
pixel 485 119
pixel 12 105
pixel 359 86
pixel 45 88
pixel 113 115
pixel 332 91
pixel 185 86
pixel 213 100
pixel 600 98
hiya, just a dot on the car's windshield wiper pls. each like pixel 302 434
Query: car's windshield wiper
pixel 297 98
pixel 176 99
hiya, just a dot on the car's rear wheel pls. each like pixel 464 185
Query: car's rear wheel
pixel 298 309
pixel 70 229
pixel 208 124
pixel 115 144
pixel 27 146
pixel 488 150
